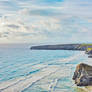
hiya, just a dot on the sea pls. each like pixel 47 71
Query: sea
pixel 26 70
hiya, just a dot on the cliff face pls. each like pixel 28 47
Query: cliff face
pixel 60 47
pixel 83 75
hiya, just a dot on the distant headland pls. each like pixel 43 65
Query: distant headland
pixel 77 47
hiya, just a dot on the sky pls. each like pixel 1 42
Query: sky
pixel 46 21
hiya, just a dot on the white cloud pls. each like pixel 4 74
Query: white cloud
pixel 29 21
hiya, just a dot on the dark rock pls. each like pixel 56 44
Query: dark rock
pixel 60 47
pixel 83 75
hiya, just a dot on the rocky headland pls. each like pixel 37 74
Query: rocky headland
pixel 60 47
pixel 83 77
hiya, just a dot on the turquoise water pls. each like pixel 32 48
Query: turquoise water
pixel 18 61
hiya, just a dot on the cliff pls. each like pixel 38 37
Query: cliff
pixel 60 47
pixel 83 76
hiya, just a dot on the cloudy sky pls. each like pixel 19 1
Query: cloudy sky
pixel 46 21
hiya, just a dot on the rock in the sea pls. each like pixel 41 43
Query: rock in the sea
pixel 83 75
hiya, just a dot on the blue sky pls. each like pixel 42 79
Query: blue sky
pixel 45 21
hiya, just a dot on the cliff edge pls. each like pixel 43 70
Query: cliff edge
pixel 83 76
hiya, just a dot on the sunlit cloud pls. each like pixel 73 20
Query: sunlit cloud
pixel 38 21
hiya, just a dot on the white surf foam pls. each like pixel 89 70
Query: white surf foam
pixel 21 84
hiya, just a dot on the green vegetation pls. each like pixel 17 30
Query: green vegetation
pixel 89 49
pixel 85 45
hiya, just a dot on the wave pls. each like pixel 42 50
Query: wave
pixel 21 84
pixel 54 71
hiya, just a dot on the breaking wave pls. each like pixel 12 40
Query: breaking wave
pixel 46 75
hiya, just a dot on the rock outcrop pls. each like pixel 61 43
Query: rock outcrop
pixel 83 75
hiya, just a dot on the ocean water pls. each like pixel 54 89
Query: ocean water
pixel 25 70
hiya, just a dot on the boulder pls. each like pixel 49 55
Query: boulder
pixel 83 75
